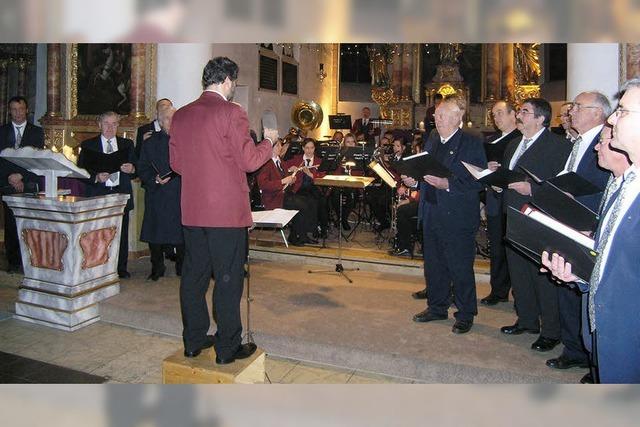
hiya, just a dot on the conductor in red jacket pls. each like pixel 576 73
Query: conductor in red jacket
pixel 211 149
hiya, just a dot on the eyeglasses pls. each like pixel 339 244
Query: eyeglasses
pixel 524 112
pixel 623 111
pixel 577 106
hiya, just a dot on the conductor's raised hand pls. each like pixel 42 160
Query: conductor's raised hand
pixel 271 134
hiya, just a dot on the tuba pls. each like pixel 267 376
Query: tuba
pixel 307 115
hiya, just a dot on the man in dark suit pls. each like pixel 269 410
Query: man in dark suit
pixel 450 213
pixel 211 149
pixel 504 117
pixel 589 112
pixel 544 154
pixel 145 131
pixel 103 183
pixel 14 179
pixel 363 125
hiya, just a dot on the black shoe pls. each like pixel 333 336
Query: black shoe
pixel 420 294
pixel 244 351
pixel 428 316
pixel 124 274
pixel 562 362
pixel 492 300
pixel 402 253
pixel 295 240
pixel 208 342
pixel 544 344
pixel 587 379
pixel 309 240
pixel 462 326
pixel 517 330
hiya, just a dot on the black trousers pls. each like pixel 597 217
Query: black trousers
pixel 448 265
pixel 322 211
pixel 347 204
pixel 307 218
pixel 157 252
pixel 570 308
pixel 535 296
pixel 209 250
pixel 380 202
pixel 11 241
pixel 406 225
pixel 123 253
pixel 500 282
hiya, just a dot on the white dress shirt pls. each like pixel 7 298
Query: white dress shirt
pixel 587 137
pixel 533 139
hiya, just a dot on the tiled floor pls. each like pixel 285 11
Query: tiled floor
pixel 38 354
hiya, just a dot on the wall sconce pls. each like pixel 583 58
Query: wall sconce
pixel 322 74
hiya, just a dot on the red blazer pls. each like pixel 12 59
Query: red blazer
pixel 270 184
pixel 211 149
pixel 298 161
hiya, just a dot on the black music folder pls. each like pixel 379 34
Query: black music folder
pixel 556 203
pixel 495 152
pixel 501 177
pixel 570 182
pixel 167 174
pixel 96 161
pixel 532 237
pixel 421 164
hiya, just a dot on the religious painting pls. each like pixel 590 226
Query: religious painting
pixel 103 78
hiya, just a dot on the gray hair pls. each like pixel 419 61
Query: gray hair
pixel 603 102
pixel 106 114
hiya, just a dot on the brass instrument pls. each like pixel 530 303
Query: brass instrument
pixel 307 115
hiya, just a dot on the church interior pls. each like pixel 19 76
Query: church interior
pixel 333 326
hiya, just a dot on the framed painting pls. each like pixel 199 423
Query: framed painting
pixel 100 79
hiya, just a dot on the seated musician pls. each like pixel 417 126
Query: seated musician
pixel 407 208
pixel 378 194
pixel 306 167
pixel 279 191
pixel 348 194
pixel 338 137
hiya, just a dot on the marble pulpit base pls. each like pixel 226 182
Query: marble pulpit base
pixel 69 249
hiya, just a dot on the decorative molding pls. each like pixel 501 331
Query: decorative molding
pixel 46 248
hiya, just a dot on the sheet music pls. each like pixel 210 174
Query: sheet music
pixel 273 218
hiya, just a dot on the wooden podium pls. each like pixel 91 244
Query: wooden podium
pixel 69 245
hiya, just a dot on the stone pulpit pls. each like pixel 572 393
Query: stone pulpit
pixel 69 245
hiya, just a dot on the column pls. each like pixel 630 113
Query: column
pixel 180 71
pixel 592 66
pixel 508 76
pixel 396 67
pixel 493 87
pixel 137 91
pixel 22 64
pixel 407 71
pixel 53 79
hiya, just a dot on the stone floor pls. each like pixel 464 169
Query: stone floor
pixel 125 355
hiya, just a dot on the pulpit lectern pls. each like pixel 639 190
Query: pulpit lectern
pixel 69 245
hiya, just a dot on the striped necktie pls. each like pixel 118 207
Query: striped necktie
pixel 574 154
pixel 603 235
pixel 18 136
pixel 523 148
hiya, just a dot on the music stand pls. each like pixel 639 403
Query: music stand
pixel 275 218
pixel 340 121
pixel 340 182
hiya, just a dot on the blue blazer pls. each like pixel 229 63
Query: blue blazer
pixel 459 208
pixel 31 136
pixel 589 170
pixel 94 188
pixel 617 303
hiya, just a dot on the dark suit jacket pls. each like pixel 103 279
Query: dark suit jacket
pixel 493 205
pixel 94 188
pixel 459 208
pixel 589 170
pixel 140 133
pixel 358 127
pixel 32 136
pixel 617 303
pixel 211 148
pixel 545 159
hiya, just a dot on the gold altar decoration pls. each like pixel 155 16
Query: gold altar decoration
pixel 527 68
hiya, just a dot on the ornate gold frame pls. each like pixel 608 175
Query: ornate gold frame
pixel 151 51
